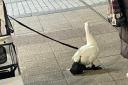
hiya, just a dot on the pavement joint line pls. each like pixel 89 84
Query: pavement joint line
pixel 55 56
pixel 12 9
pixel 120 79
pixel 34 6
pixel 41 24
pixel 58 64
pixel 108 71
pixel 43 81
pixel 67 21
pixel 43 73
pixel 18 8
pixel 72 37
pixel 106 33
pixel 112 77
pixel 108 56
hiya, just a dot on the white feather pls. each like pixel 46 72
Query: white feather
pixel 87 53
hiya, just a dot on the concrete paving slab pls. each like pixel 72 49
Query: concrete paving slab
pixel 114 63
pixel 29 39
pixel 97 28
pixel 58 47
pixel 90 78
pixel 81 82
pixel 119 75
pixel 108 38
pixel 54 22
pixel 33 22
pixel 118 68
pixel 34 48
pixel 77 25
pixel 102 77
pixel 57 82
pixel 44 78
pixel 43 63
pixel 65 34
pixel 106 83
pixel 109 50
pixel 89 15
pixel 64 59
pixel 74 19
pixel 68 35
pixel 109 44
pixel 122 82
pixel 72 16
pixel 102 9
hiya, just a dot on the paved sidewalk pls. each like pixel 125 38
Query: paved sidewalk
pixel 44 62
pixel 22 8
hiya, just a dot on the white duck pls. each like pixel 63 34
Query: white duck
pixel 88 53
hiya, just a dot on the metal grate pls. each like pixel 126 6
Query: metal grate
pixel 22 8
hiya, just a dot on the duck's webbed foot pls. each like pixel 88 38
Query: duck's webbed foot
pixel 96 67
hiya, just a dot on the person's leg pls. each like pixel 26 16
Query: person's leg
pixel 122 8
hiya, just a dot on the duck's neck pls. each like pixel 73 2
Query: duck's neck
pixel 89 37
